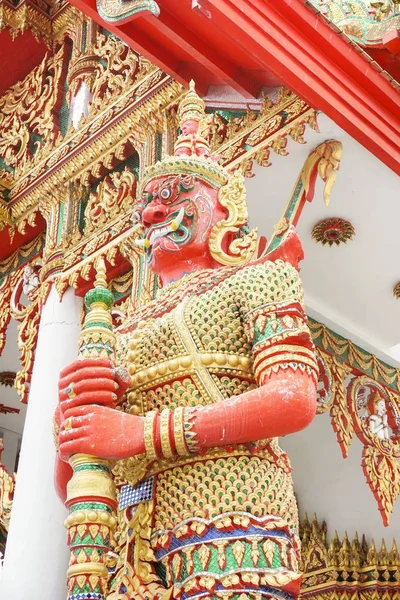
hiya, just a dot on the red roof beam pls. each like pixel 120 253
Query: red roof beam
pixel 207 56
pixel 313 62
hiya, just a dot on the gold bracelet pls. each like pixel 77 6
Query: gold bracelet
pixel 179 434
pixel 190 436
pixel 149 441
pixel 164 434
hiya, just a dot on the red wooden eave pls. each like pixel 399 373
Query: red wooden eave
pixel 249 44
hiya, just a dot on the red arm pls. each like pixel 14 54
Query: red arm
pixel 271 297
pixel 94 382
pixel 285 404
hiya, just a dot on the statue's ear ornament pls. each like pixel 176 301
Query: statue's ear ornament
pixel 230 241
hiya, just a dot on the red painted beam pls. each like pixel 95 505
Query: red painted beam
pixel 207 56
pixel 318 64
pixel 283 38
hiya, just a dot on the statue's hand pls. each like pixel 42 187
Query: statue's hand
pixel 101 431
pixel 91 381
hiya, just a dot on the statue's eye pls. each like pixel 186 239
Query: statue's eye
pixel 165 193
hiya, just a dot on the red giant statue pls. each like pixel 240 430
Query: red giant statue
pixel 221 364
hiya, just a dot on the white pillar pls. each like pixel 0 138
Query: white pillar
pixel 37 555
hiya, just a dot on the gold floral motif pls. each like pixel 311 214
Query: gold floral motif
pixel 114 195
pixel 242 249
pixel 28 108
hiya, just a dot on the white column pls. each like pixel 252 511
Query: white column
pixel 37 555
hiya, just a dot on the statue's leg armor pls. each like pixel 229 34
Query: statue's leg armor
pixel 222 534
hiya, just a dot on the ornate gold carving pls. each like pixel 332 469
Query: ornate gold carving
pixel 346 568
pixel 149 435
pixel 7 484
pixel 326 157
pixel 11 271
pixel 242 140
pixel 166 448
pixel 376 415
pixel 242 249
pixel 369 407
pixel 5 215
pixel 98 152
pixel 137 574
pixel 27 339
pixel 6 287
pixel 115 194
pixel 118 69
pixel 47 19
pixel 342 422
pixel 352 354
pixel 29 109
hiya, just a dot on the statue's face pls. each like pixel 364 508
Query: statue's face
pixel 380 408
pixel 179 213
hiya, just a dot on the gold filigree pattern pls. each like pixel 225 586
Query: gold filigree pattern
pixel 242 249
pixel 345 569
pixel 29 109
pixel 115 194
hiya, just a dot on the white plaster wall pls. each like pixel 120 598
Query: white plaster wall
pixel 335 488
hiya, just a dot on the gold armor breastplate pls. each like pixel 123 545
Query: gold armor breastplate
pixel 195 354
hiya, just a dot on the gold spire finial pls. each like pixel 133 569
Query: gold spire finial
pixel 191 112
pixel 191 107
pixel 101 272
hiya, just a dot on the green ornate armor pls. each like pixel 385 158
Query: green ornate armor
pixel 221 523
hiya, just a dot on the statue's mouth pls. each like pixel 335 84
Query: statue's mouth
pixel 156 232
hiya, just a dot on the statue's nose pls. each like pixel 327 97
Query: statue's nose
pixel 154 213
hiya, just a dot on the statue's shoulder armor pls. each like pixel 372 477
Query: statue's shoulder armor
pixel 272 278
